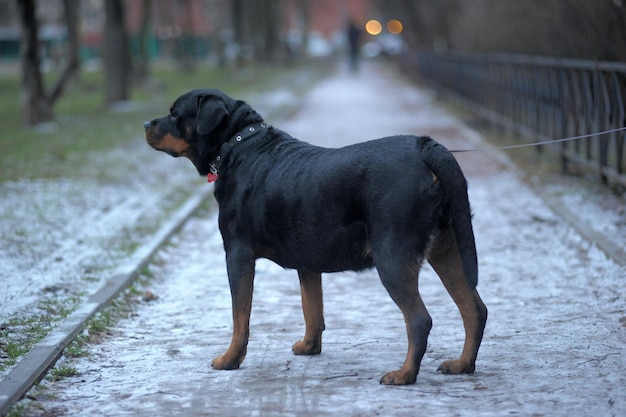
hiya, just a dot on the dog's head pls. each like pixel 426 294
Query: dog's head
pixel 198 123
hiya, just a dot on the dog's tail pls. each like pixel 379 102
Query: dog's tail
pixel 456 206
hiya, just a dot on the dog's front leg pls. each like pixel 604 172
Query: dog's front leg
pixel 312 307
pixel 241 280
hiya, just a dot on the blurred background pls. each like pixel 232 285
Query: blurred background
pixel 538 66
pixel 127 38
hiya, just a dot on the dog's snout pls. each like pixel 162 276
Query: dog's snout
pixel 146 125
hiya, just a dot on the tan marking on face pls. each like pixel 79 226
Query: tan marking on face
pixel 171 144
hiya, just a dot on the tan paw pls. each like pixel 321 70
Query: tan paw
pixel 456 366
pixel 399 378
pixel 223 363
pixel 303 348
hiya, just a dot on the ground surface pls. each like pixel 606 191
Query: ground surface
pixel 555 342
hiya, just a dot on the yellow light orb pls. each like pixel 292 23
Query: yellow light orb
pixel 394 27
pixel 373 27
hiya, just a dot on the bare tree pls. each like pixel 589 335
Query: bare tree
pixel 142 63
pixel 185 54
pixel 239 27
pixel 116 54
pixel 266 30
pixel 592 29
pixel 34 106
pixel 257 25
pixel 305 17
pixel 36 103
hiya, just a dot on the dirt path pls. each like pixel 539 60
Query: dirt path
pixel 555 342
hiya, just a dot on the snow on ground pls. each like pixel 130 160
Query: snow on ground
pixel 554 345
pixel 65 234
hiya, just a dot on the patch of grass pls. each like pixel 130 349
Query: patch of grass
pixel 61 372
pixel 134 291
pixel 95 329
pixel 15 350
pixel 76 348
pixel 21 332
pixel 57 309
pixel 17 410
pixel 99 324
pixel 146 272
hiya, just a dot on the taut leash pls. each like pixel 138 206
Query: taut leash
pixel 546 142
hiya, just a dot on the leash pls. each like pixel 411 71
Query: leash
pixel 546 142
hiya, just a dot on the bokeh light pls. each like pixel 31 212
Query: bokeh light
pixel 394 27
pixel 373 27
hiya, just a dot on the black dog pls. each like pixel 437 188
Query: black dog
pixel 389 203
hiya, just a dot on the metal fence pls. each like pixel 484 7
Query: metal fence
pixel 545 99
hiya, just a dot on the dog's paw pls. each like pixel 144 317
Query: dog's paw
pixel 303 348
pixel 223 363
pixel 399 378
pixel 456 366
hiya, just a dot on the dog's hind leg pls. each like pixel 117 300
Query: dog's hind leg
pixel 312 307
pixel 445 259
pixel 400 279
pixel 241 280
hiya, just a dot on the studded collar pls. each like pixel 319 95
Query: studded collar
pixel 246 133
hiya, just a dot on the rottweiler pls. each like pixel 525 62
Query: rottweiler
pixel 388 204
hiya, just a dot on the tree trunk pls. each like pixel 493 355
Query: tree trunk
pixel 116 55
pixel 305 16
pixel 272 24
pixel 143 62
pixel 35 106
pixel 73 62
pixel 238 27
pixel 185 42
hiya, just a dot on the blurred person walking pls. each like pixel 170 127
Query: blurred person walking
pixel 353 34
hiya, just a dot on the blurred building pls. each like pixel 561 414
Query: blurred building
pixel 200 28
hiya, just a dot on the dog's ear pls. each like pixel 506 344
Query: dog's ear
pixel 211 112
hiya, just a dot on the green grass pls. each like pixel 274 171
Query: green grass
pixel 62 372
pixel 14 350
pixel 100 323
pixel 83 123
pixel 23 331
pixel 76 348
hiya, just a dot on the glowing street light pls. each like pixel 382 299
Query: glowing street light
pixel 394 27
pixel 373 27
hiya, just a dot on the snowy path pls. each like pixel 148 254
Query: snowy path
pixel 555 342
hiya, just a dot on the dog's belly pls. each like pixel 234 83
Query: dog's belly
pixel 343 248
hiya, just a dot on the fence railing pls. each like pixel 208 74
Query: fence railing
pixel 545 99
